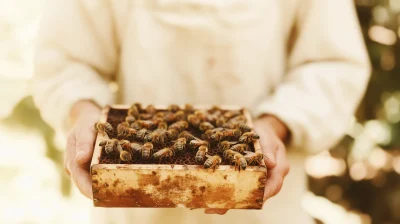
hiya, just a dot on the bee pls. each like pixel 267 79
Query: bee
pixel 108 145
pixel 179 125
pixel 157 137
pixel 123 130
pixel 244 128
pixel 104 128
pixel 252 157
pixel 162 125
pixel 220 122
pixel 204 126
pixel 124 155
pixel 214 109
pixel 147 150
pixel 173 108
pixel 146 124
pixel 249 137
pixel 240 161
pixel 225 145
pixel 185 134
pixel 238 119
pixel 135 126
pixel 125 144
pixel 138 106
pixel 194 120
pixel 188 108
pixel 146 116
pixel 217 136
pixel 136 147
pixel 172 134
pixel 231 133
pixel 180 144
pixel 160 114
pixel 130 119
pixel 210 133
pixel 228 154
pixel 212 162
pixel 142 133
pixel 240 148
pixel 232 113
pixel 201 153
pixel 197 142
pixel 180 115
pixel 164 153
pixel 201 114
pixel 150 109
pixel 241 127
pixel 134 111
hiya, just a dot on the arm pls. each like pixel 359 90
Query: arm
pixel 75 56
pixel 328 70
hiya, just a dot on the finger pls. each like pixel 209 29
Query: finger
pixel 82 180
pixel 269 147
pixel 69 153
pixel 219 211
pixel 276 175
pixel 84 145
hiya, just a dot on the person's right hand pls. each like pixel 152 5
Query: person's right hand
pixel 80 143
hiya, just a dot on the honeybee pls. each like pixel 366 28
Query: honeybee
pixel 125 144
pixel 201 114
pixel 135 126
pixel 147 150
pixel 232 113
pixel 228 154
pixel 197 142
pixel 188 108
pixel 240 148
pixel 225 145
pixel 136 147
pixel 123 130
pixel 157 137
pixel 146 116
pixel 204 126
pixel 249 137
pixel 179 125
pixel 130 119
pixel 220 122
pixel 214 109
pixel 238 119
pixel 231 133
pixel 124 155
pixel 185 134
pixel 142 133
pixel 134 111
pixel 180 115
pixel 109 145
pixel 164 153
pixel 150 109
pixel 194 120
pixel 172 134
pixel 180 144
pixel 162 125
pixel 201 153
pixel 244 128
pixel 173 108
pixel 240 161
pixel 146 124
pixel 138 106
pixel 104 128
pixel 252 157
pixel 241 127
pixel 212 162
pixel 217 136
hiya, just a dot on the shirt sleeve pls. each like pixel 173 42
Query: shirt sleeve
pixel 75 56
pixel 328 71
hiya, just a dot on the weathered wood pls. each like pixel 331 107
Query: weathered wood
pixel 162 185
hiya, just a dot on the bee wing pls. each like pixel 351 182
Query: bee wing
pixel 248 152
pixel 208 156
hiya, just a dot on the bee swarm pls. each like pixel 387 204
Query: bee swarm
pixel 177 135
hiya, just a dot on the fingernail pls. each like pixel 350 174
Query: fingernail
pixel 271 157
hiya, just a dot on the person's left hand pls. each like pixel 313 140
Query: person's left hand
pixel 272 132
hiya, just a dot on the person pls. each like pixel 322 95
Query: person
pixel 299 65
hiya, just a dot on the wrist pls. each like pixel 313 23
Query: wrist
pixel 83 107
pixel 278 127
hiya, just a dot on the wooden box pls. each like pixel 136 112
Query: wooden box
pixel 172 185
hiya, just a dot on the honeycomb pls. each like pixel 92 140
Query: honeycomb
pixel 116 116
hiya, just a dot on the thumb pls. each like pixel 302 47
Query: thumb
pixel 84 145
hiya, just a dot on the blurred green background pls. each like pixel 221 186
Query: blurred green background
pixel 360 176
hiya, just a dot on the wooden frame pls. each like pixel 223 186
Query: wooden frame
pixel 168 186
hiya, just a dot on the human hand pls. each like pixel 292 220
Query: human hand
pixel 80 144
pixel 272 132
